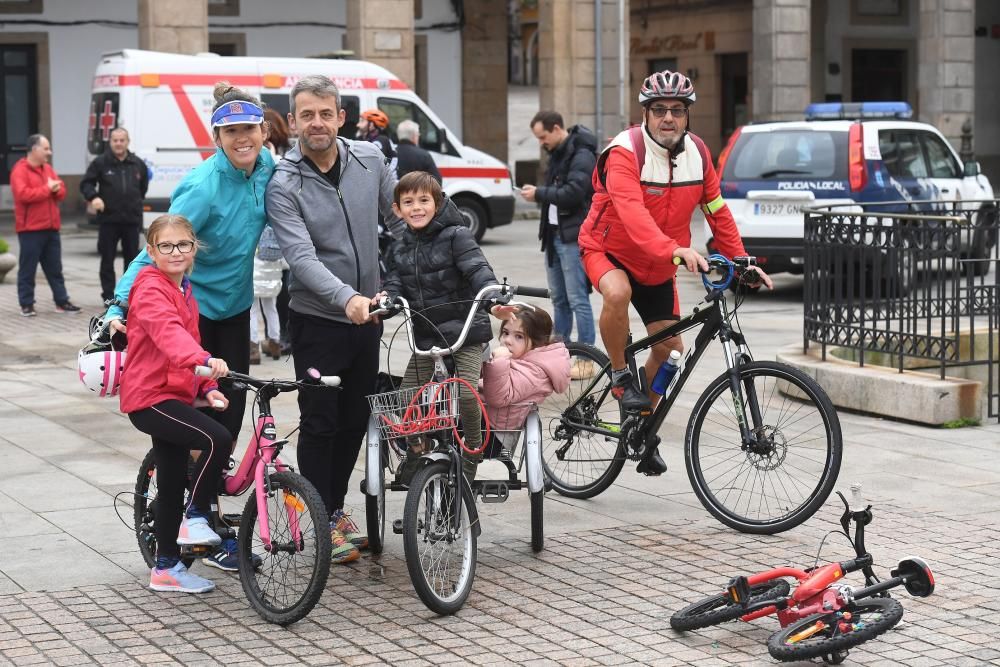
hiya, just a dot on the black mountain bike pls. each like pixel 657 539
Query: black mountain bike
pixel 763 444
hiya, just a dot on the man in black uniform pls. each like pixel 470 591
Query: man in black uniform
pixel 115 185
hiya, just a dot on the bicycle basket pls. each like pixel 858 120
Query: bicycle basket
pixel 416 410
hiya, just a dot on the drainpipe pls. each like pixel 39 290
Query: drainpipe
pixel 622 116
pixel 598 71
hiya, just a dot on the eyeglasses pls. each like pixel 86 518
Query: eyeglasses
pixel 168 248
pixel 676 112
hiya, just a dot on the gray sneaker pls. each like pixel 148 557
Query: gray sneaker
pixel 178 580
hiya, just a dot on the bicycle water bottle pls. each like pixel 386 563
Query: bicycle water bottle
pixel 666 372
pixel 857 499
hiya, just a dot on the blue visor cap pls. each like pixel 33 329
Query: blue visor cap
pixel 236 113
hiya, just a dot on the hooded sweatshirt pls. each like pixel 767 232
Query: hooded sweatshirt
pixel 509 384
pixel 329 234
pixel 439 269
pixel 164 344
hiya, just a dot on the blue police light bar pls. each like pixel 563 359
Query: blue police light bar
pixel 853 110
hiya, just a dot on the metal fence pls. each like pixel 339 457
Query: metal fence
pixel 908 290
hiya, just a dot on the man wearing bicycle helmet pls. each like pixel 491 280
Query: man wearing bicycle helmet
pixel 373 126
pixel 647 184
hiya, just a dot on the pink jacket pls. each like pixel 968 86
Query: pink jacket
pixel 510 384
pixel 164 344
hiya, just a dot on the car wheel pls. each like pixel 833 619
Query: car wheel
pixel 474 215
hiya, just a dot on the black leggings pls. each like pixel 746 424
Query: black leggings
pixel 176 429
pixel 333 423
pixel 229 339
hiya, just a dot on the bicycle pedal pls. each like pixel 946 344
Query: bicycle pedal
pixel 494 492
pixel 397 527
pixel 195 550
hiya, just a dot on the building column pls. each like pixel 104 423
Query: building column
pixel 946 66
pixel 779 79
pixel 175 26
pixel 381 31
pixel 484 77
pixel 567 63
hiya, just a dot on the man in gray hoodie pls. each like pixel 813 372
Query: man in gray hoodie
pixel 323 203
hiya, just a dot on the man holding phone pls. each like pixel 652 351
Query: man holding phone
pixel 564 201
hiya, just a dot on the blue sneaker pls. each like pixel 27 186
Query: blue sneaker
pixel 225 557
pixel 177 579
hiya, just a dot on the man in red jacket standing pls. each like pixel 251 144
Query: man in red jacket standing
pixel 647 184
pixel 37 192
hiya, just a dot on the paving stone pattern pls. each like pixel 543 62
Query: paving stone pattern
pixel 601 597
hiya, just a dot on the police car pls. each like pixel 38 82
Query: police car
pixel 842 153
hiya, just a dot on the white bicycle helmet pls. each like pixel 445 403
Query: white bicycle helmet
pixel 667 85
pixel 100 368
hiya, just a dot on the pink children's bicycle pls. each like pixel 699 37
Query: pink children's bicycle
pixel 284 538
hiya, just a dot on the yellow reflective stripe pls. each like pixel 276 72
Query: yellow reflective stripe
pixel 713 206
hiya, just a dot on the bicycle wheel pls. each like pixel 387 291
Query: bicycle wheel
pixel 788 474
pixel 579 463
pixel 440 548
pixel 537 520
pixel 290 579
pixel 144 511
pixel 869 618
pixel 375 509
pixel 717 609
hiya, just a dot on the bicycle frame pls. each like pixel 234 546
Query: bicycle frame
pixel 815 592
pixel 260 457
pixel 713 317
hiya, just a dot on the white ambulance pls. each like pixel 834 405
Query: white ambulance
pixel 165 101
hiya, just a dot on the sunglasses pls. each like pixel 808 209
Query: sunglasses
pixel 676 112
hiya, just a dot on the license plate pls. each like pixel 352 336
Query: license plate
pixel 770 209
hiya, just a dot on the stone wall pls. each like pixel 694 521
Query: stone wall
pixel 946 67
pixel 177 26
pixel 780 74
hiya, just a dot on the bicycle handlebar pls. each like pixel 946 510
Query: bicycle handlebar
pixel 540 292
pixel 391 306
pixel 741 264
pixel 314 378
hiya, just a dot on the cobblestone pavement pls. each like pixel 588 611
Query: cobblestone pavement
pixel 72 584
pixel 600 597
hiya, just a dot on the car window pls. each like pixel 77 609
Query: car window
pixel 902 154
pixel 788 155
pixel 399 110
pixel 940 161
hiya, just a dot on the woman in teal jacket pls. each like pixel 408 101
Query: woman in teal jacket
pixel 223 197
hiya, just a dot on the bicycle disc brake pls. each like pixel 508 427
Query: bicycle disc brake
pixel 769 452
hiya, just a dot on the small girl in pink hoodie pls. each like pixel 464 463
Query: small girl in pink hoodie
pixel 525 368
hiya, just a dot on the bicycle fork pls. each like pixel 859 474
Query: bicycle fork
pixel 268 448
pixel 749 428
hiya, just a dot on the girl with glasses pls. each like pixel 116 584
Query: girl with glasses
pixel 158 391
pixel 223 197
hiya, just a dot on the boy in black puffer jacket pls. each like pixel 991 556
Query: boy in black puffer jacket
pixel 436 265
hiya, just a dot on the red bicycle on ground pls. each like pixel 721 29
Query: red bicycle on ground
pixel 820 618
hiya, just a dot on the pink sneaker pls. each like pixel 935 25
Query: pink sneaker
pixel 178 579
pixel 195 531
